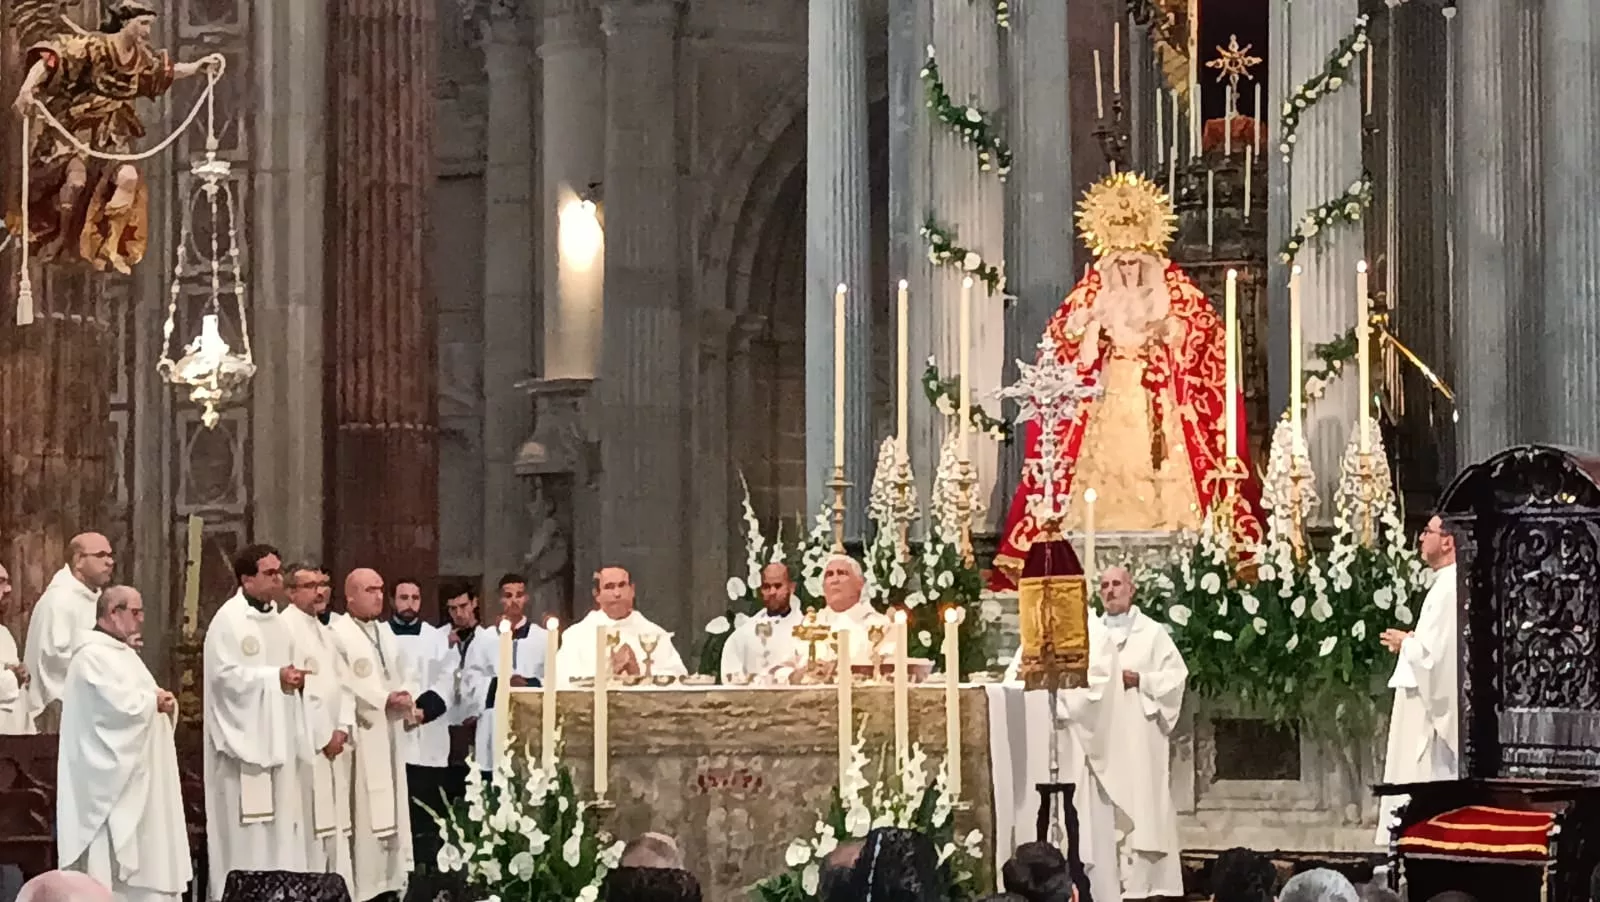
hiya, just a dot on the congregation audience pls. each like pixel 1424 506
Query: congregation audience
pixel 64 886
pixel 1038 872
pixel 652 850
pixel 1240 875
pixel 1319 885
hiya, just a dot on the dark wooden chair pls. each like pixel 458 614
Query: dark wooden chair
pixel 1524 822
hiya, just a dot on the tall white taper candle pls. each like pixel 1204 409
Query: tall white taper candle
pixel 602 712
pixel 838 375
pixel 964 352
pixel 1296 362
pixel 1230 400
pixel 952 698
pixel 1363 359
pixel 902 365
pixel 552 643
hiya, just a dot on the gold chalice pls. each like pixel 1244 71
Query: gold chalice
pixel 649 642
pixel 876 634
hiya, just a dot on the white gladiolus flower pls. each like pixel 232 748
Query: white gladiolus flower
pixel 916 600
pixel 1321 610
pixel 1178 614
pixel 1211 583
pixel 1259 625
pixel 925 637
pixel 948 850
pixel 1402 614
pixel 490 869
pixel 972 261
pixel 1292 644
pixel 1251 606
pixel 809 878
pixel 974 114
pixel 858 820
pixel 1327 646
pixel 449 859
pixel 826 843
pixel 609 857
pixel 522 866
pixel 590 893
pixel 1221 636
pixel 1266 573
pixel 798 853
pixel 572 849
pixel 945 579
pixel 1383 598
pixel 718 626
pixel 538 840
pixel 736 588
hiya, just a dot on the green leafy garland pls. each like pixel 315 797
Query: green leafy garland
pixel 1327 363
pixel 944 394
pixel 1002 13
pixel 943 251
pixel 1345 208
pixel 1335 73
pixel 973 125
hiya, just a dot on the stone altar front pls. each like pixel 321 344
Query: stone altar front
pixel 736 773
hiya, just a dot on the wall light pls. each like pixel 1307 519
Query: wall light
pixel 580 237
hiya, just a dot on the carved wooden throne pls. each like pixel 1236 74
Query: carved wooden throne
pixel 1523 821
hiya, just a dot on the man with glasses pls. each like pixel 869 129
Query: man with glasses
pixel 63 613
pixel 1422 723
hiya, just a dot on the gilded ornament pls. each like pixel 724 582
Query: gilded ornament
pixel 1126 212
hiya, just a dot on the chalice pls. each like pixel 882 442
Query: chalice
pixel 648 643
pixel 875 634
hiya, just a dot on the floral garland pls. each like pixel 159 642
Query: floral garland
pixel 1002 13
pixel 524 834
pixel 1345 208
pixel 1331 358
pixel 1335 73
pixel 902 797
pixel 944 395
pixel 943 251
pixel 973 125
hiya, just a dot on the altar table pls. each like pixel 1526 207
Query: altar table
pixel 736 773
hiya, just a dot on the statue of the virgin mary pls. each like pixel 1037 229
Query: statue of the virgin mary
pixel 1151 445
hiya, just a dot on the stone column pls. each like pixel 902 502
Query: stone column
pixel 1569 329
pixel 382 409
pixel 836 251
pixel 1489 246
pixel 509 228
pixel 1327 159
pixel 643 356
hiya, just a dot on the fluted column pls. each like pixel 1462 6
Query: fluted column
pixel 1327 159
pixel 1489 245
pixel 836 251
pixel 509 227
pixel 381 358
pixel 1569 358
pixel 642 359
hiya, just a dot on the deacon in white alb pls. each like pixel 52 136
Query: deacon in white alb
pixel 381 844
pixel 1152 682
pixel 119 806
pixel 844 609
pixel 1423 740
pixel 613 609
pixel 14 719
pixel 329 712
pixel 762 644
pixel 254 730
pixel 433 665
pixel 65 610
pixel 480 679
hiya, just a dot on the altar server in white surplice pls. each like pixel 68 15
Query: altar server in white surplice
pixel 65 610
pixel 765 642
pixel 480 679
pixel 119 807
pixel 1151 681
pixel 1423 740
pixel 329 712
pixel 14 719
pixel 254 730
pixel 433 667
pixel 613 608
pixel 381 808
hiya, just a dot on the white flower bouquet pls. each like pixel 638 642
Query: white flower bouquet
pixel 523 836
pixel 743 589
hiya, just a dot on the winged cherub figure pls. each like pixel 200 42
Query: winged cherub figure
pixel 82 207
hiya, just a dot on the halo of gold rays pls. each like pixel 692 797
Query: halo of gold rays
pixel 1126 212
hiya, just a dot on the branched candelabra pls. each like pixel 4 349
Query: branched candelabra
pixel 1048 392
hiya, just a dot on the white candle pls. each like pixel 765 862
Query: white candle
pixel 842 676
pixel 1161 138
pixel 1227 121
pixel 1116 58
pixel 1099 95
pixel 1230 408
pixel 902 698
pixel 552 644
pixel 902 366
pixel 1367 82
pixel 191 580
pixel 1194 119
pixel 1175 130
pixel 602 715
pixel 1261 123
pixel 1172 177
pixel 964 413
pixel 952 698
pixel 1296 364
pixel 1211 204
pixel 1363 363
pixel 1091 571
pixel 1249 163
pixel 838 376
pixel 502 693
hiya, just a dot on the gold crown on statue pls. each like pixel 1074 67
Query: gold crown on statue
pixel 1126 212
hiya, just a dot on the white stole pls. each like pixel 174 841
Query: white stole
pixel 372 670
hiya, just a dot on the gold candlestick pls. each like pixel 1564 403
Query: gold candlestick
pixel 965 481
pixel 1225 513
pixel 838 483
pixel 1368 493
pixel 903 505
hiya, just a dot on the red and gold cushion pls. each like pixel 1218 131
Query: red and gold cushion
pixel 1478 831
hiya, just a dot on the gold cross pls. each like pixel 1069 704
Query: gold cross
pixel 1234 62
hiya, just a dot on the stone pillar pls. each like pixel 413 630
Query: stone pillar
pixel 1568 333
pixel 1041 198
pixel 1489 245
pixel 287 277
pixel 509 229
pixel 382 369
pixel 837 251
pixel 1327 159
pixel 643 354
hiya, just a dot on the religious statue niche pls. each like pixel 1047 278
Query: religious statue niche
pixel 79 197
pixel 1155 445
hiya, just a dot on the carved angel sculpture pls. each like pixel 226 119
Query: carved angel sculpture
pixel 83 207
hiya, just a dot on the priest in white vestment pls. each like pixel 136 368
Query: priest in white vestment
pixel 65 610
pixel 762 644
pixel 844 609
pixel 1423 740
pixel 614 610
pixel 1151 682
pixel 14 715
pixel 329 714
pixel 254 730
pixel 381 845
pixel 426 654
pixel 119 805
pixel 480 678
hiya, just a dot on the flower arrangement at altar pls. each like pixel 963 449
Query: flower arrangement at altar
pixel 524 835
pixel 905 797
pixel 744 590
pixel 886 573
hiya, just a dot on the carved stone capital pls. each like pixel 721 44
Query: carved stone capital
pixel 492 20
pixel 562 440
pixel 620 15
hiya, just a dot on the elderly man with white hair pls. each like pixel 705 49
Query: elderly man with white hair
pixel 1319 885
pixel 845 610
